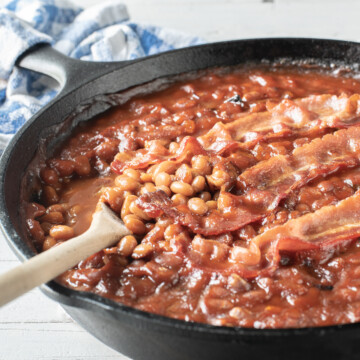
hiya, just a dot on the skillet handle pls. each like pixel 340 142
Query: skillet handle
pixel 68 72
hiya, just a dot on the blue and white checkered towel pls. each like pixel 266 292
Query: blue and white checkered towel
pixel 100 33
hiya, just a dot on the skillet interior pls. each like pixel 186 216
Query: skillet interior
pixel 135 333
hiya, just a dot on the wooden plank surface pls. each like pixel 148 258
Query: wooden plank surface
pixel 35 327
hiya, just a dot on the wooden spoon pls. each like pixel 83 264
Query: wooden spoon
pixel 104 230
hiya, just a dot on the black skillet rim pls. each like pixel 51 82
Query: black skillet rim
pixel 93 302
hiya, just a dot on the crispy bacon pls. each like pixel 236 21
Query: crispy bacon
pixel 272 180
pixel 321 230
pixel 264 185
pixel 312 233
pixel 289 117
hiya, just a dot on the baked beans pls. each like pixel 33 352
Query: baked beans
pixel 183 168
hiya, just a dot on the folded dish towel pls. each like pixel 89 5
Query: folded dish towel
pixel 99 33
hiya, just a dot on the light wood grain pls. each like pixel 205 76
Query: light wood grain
pixel 69 341
pixel 35 327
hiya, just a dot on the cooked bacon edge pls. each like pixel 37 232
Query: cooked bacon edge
pixel 141 159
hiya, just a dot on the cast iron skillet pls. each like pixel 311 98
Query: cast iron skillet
pixel 138 334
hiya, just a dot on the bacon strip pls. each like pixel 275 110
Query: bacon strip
pixel 272 180
pixel 321 230
pixel 313 233
pixel 189 147
pixel 289 117
pixel 265 185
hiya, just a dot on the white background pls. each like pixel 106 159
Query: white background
pixel 34 327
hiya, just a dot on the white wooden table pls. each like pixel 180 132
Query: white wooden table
pixel 34 327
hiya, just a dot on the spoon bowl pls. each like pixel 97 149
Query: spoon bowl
pixel 104 230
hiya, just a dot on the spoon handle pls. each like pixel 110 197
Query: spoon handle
pixel 105 229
